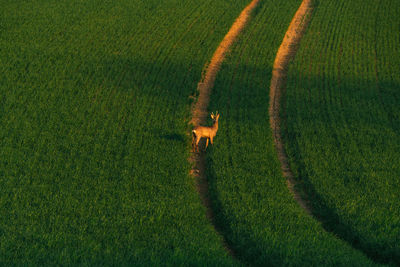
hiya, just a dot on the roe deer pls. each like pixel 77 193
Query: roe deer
pixel 206 132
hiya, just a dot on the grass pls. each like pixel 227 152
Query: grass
pixel 93 146
pixel 94 106
pixel 343 122
pixel 255 209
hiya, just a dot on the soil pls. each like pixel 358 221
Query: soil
pixel 200 112
pixel 285 54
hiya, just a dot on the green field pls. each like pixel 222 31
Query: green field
pixel 95 100
pixel 94 106
pixel 343 122
pixel 256 211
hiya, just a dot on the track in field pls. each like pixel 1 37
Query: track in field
pixel 285 54
pixel 200 112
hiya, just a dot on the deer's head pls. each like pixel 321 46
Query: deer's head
pixel 215 116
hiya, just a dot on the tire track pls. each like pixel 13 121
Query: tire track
pixel 200 112
pixel 285 54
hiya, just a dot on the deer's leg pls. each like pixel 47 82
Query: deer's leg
pixel 206 145
pixel 197 142
pixel 211 140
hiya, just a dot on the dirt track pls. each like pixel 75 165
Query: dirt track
pixel 200 112
pixel 285 54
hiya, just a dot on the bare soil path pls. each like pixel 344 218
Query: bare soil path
pixel 285 54
pixel 200 112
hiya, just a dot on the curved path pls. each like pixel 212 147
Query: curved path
pixel 200 112
pixel 285 54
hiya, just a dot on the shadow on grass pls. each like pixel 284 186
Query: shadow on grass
pixel 173 137
pixel 237 107
pixel 247 251
pixel 320 209
pixel 329 219
pixel 126 79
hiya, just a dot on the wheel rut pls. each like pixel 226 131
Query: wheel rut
pixel 285 54
pixel 200 111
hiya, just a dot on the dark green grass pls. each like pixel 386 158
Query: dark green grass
pixel 254 207
pixel 94 105
pixel 343 119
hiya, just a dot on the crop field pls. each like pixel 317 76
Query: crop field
pixel 255 210
pixel 343 122
pixel 94 106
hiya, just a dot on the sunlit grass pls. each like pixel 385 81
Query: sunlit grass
pixel 94 106
pixel 343 122
pixel 258 215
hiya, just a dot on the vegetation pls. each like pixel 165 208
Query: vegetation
pixel 343 122
pixel 95 101
pixel 93 148
pixel 255 210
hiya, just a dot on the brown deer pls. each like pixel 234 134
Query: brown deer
pixel 206 132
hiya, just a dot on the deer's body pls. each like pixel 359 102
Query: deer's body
pixel 205 132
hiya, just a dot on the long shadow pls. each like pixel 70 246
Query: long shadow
pixel 173 137
pixel 320 209
pixel 329 218
pixel 330 221
pixel 223 226
pixel 122 78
